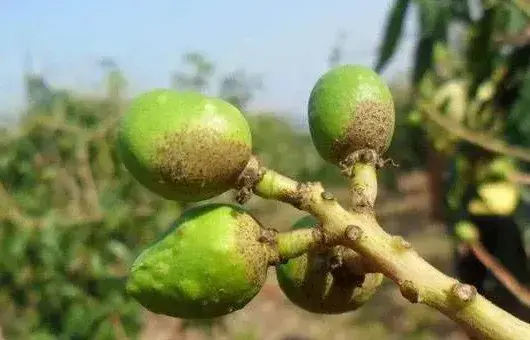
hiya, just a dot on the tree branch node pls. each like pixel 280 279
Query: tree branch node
pixel 410 291
pixel 354 233
pixel 463 293
pixel 248 179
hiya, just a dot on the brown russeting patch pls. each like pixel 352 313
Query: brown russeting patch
pixel 372 128
pixel 200 159
pixel 255 253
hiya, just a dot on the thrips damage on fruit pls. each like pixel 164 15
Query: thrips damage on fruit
pixel 350 108
pixel 322 281
pixel 184 146
pixel 209 264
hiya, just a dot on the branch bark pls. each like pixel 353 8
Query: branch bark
pixel 394 257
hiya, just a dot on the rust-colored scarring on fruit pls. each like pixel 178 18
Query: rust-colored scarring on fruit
pixel 184 146
pixel 350 108
pixel 209 264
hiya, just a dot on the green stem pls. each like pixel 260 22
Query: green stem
pixel 363 187
pixel 294 243
pixel 394 257
pixel 278 187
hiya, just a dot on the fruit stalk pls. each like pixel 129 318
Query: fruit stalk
pixel 419 281
pixel 293 243
pixel 363 187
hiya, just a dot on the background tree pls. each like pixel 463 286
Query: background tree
pixel 470 99
pixel 71 218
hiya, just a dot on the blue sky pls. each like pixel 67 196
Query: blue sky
pixel 287 42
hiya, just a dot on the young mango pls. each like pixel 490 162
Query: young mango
pixel 316 283
pixel 184 146
pixel 211 263
pixel 350 108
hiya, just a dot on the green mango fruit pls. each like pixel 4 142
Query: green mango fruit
pixel 316 283
pixel 211 263
pixel 184 146
pixel 350 108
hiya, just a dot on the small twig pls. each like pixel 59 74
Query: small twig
pixel 482 140
pixel 502 274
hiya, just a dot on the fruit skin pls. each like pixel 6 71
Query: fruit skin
pixel 184 146
pixel 208 265
pixel 350 108
pixel 309 282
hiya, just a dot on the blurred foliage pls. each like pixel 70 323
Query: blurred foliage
pixel 471 90
pixel 71 218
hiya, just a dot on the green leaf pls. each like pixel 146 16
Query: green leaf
pixel 394 28
pixel 105 331
pixel 429 11
pixel 97 265
pixel 423 57
pixel 19 244
pixel 42 335
pixel 460 10
pixel 77 321
pixel 482 50
pixel 434 19
pixel 516 20
pixel 518 123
